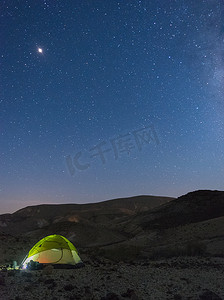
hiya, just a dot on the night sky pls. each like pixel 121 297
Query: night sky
pixel 104 99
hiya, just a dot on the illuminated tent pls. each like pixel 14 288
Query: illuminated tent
pixel 53 249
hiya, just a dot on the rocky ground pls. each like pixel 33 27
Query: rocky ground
pixel 175 278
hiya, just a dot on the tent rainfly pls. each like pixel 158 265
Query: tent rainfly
pixel 53 249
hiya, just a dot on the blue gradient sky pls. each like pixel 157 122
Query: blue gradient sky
pixel 107 69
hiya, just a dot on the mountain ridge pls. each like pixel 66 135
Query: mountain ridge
pixel 100 203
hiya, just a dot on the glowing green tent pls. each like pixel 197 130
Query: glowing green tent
pixel 53 249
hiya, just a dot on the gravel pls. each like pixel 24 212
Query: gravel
pixel 179 278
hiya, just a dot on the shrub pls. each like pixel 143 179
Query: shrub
pixel 191 248
pixel 126 253
pixel 195 248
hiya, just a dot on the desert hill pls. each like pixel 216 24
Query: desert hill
pixel 155 226
pixel 191 223
pixel 42 216
pixel 87 225
pixel 193 207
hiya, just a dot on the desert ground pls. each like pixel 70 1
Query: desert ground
pixel 174 278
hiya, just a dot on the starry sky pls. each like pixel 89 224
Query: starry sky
pixel 105 99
